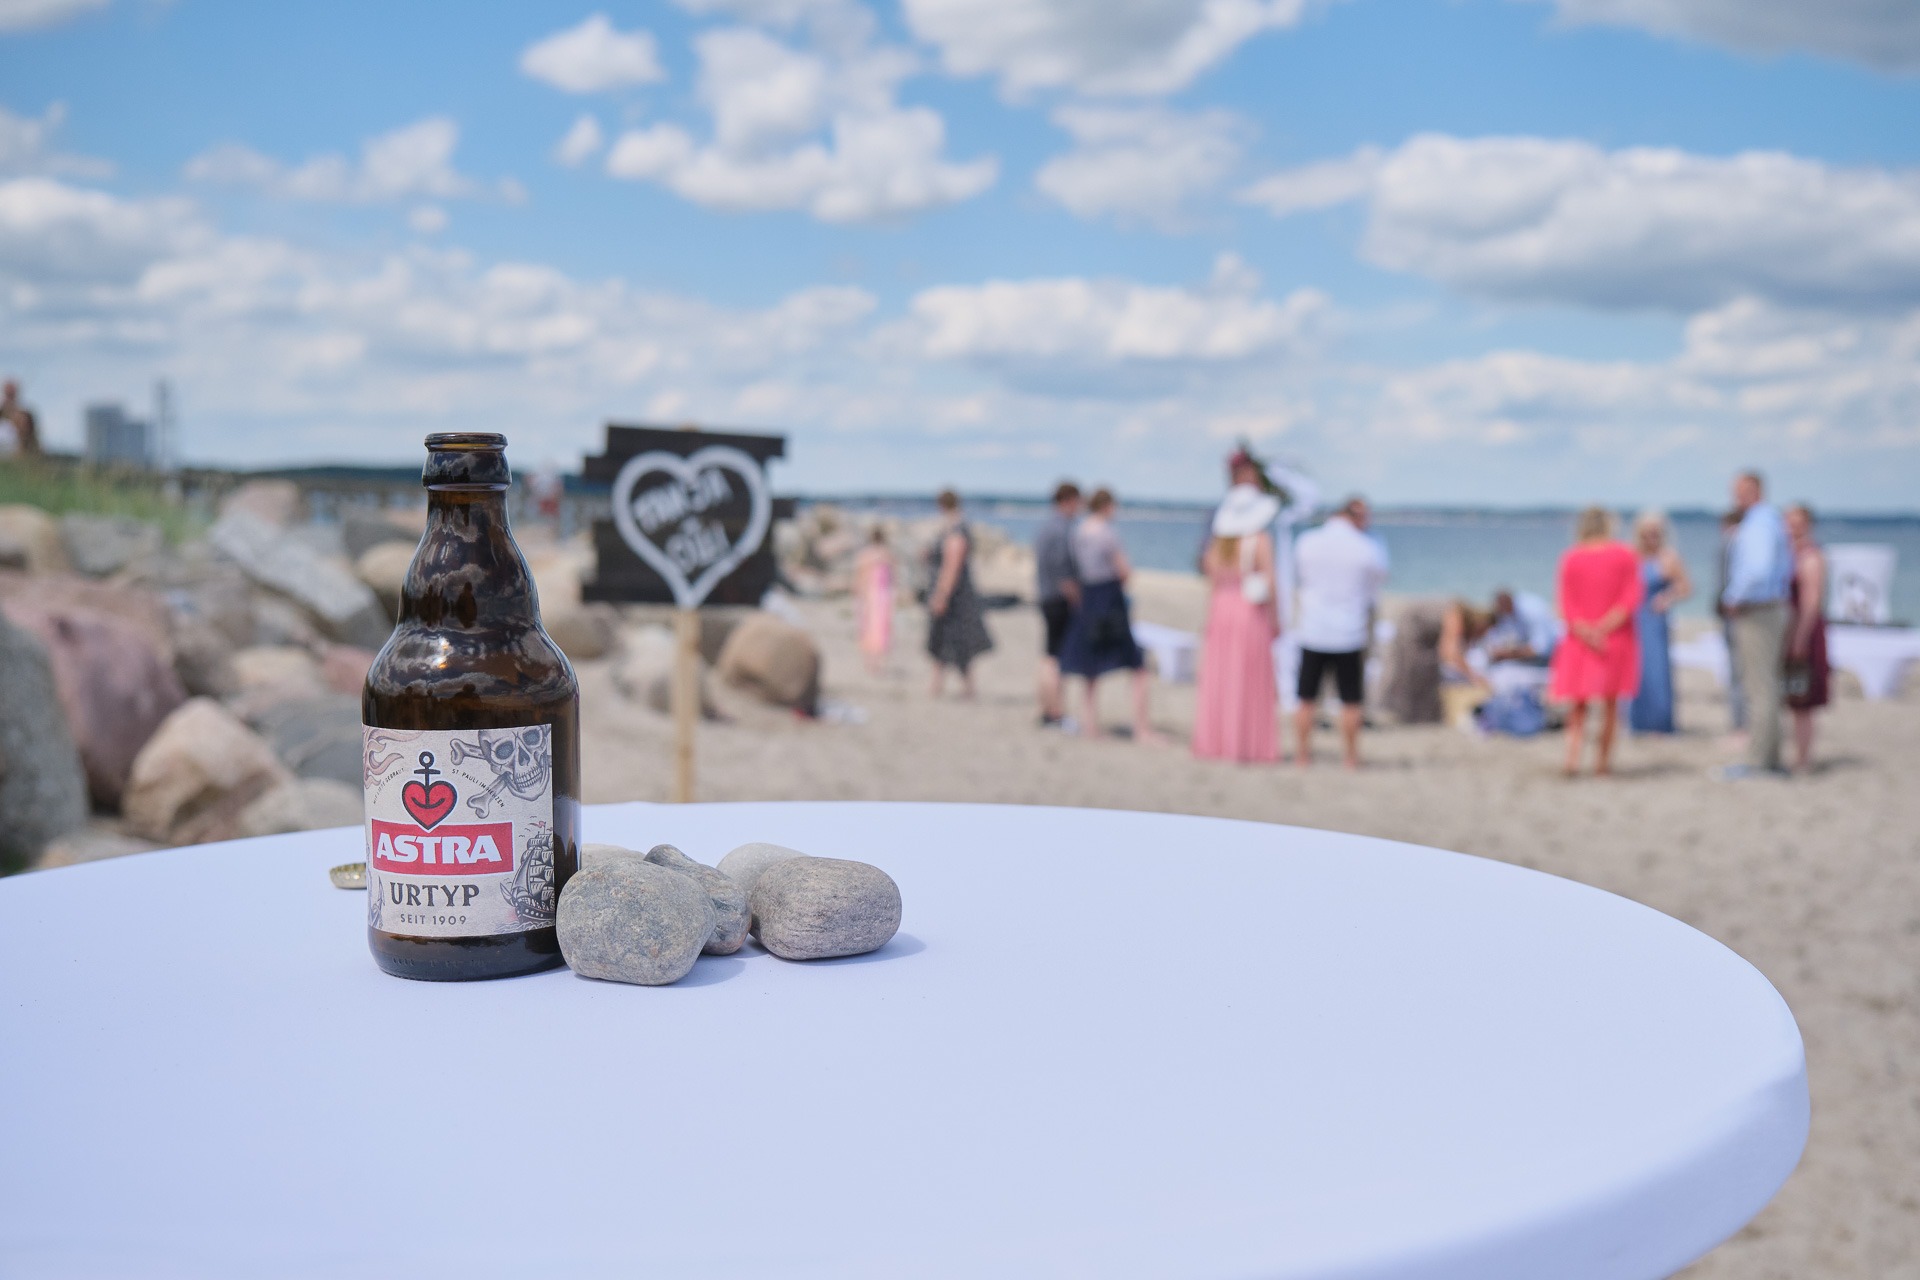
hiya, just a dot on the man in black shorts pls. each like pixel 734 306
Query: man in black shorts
pixel 1338 571
pixel 1058 587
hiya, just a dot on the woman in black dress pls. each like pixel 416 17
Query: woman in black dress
pixel 1100 638
pixel 956 629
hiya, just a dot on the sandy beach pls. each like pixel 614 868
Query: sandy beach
pixel 1814 880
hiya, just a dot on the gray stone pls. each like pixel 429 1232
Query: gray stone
pixel 303 804
pixel 729 899
pixel 100 545
pixel 629 920
pixel 276 502
pixel 383 567
pixel 36 537
pixel 316 736
pixel 817 908
pixel 196 774
pixel 90 844
pixel 744 865
pixel 344 606
pixel 362 531
pixel 644 670
pixel 43 789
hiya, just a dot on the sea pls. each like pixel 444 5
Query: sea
pixel 1465 553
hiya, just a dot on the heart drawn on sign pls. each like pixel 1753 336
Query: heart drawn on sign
pixel 429 803
pixel 690 553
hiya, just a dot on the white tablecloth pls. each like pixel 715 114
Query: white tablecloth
pixel 1876 656
pixel 1105 1044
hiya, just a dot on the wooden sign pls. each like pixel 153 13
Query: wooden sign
pixel 689 517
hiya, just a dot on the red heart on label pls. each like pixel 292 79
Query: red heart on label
pixel 430 803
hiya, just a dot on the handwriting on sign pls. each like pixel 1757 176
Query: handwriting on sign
pixel 676 499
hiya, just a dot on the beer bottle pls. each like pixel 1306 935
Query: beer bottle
pixel 472 744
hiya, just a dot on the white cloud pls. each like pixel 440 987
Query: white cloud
pixel 52 233
pixel 283 352
pixel 1107 322
pixel 593 57
pixel 1547 220
pixel 1093 46
pixel 805 130
pixel 26 146
pixel 582 140
pixel 1320 185
pixel 1880 33
pixel 1139 162
pixel 428 219
pixel 406 163
pixel 19 15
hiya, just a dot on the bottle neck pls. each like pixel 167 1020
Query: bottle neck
pixel 468 571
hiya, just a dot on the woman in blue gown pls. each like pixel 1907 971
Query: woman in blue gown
pixel 1665 584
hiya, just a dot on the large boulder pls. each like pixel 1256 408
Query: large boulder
pixel 362 531
pixel 43 790
pixel 99 546
pixel 583 631
pixel 195 777
pixel 90 843
pixel 114 685
pixel 285 671
pixel 643 670
pixel 274 502
pixel 775 660
pixel 384 569
pixel 144 609
pixel 30 540
pixel 317 736
pixel 345 608
pixel 303 804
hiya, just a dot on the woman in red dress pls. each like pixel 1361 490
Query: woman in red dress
pixel 1599 661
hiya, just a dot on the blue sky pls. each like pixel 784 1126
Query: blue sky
pixel 1506 251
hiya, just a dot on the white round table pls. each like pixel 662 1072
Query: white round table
pixel 1103 1044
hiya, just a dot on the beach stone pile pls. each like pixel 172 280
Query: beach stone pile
pixel 645 918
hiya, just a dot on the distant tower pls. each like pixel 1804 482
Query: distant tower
pixel 164 446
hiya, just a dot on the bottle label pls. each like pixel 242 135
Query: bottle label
pixel 459 830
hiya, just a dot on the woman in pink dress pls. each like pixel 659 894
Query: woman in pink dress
pixel 1238 697
pixel 873 588
pixel 1599 661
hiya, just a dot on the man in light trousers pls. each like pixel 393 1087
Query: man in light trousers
pixel 1759 568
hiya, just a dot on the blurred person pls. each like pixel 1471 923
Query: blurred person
pixel 1736 697
pixel 1759 577
pixel 1600 659
pixel 1100 637
pixel 1238 696
pixel 1807 672
pixel 1338 571
pixel 1429 655
pixel 873 596
pixel 1057 587
pixel 1521 629
pixel 1663 584
pixel 956 627
pixel 19 430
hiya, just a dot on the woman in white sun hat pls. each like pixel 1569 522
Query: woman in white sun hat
pixel 1238 695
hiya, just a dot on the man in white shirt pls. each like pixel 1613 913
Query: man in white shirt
pixel 1338 570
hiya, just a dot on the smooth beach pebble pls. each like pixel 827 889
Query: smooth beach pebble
pixel 729 899
pixel 744 865
pixel 628 920
pixel 816 908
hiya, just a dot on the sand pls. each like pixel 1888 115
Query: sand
pixel 1815 881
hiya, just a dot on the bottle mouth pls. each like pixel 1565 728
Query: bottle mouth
pixel 466 459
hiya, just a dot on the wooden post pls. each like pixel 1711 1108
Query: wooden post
pixel 686 699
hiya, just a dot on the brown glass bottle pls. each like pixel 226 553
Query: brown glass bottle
pixel 473 744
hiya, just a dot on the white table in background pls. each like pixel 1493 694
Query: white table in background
pixel 1104 1044
pixel 1878 657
